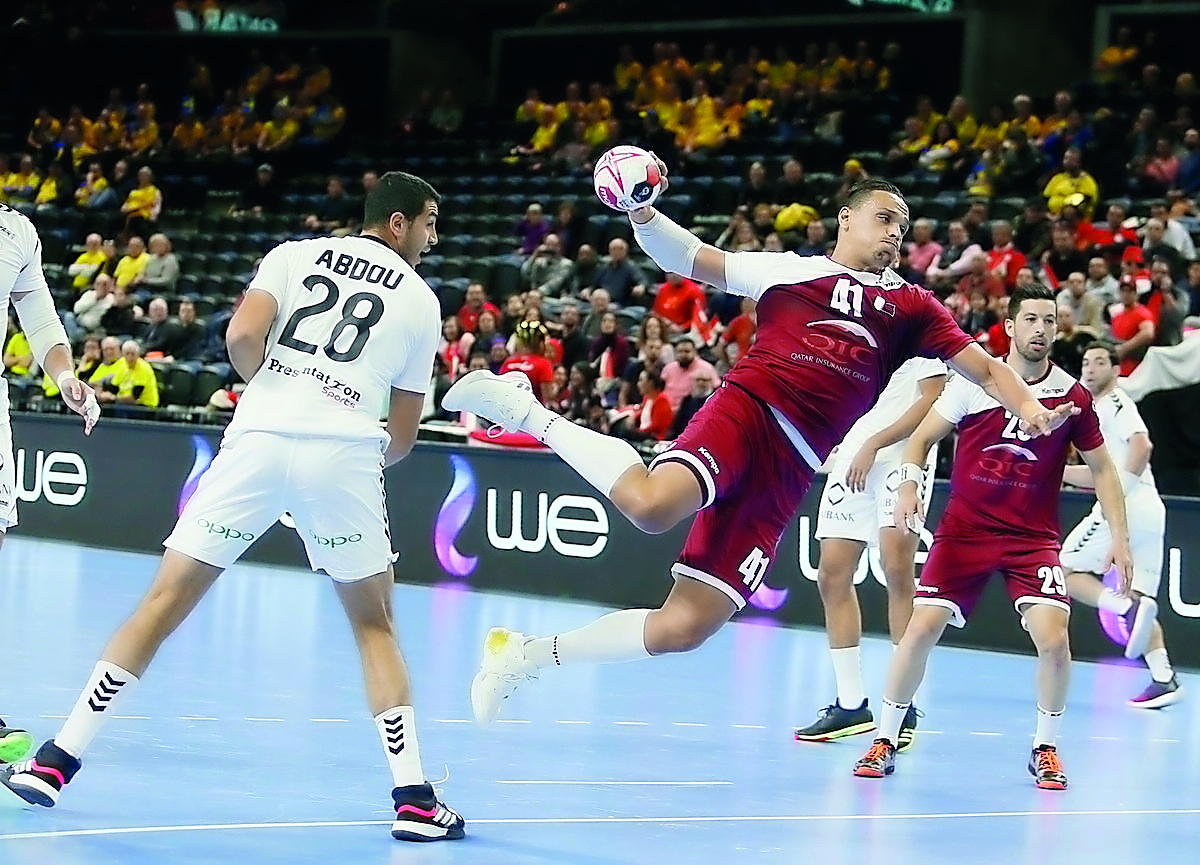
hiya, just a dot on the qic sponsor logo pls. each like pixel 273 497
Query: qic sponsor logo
pixel 59 477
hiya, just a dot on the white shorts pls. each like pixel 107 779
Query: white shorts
pixel 859 516
pixel 1087 547
pixel 8 477
pixel 333 490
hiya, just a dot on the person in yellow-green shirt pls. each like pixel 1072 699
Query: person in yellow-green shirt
pixel 278 133
pixel 247 135
pixel 134 262
pixel 544 136
pixel 628 72
pixel 143 204
pixel 18 356
pixel 759 108
pixel 44 132
pixel 90 187
pixel 188 136
pixel 22 184
pixel 1024 117
pixel 53 188
pixel 142 137
pixel 992 131
pixel 1072 179
pixel 783 70
pixel 89 263
pixel 110 360
pixel 965 125
pixel 133 380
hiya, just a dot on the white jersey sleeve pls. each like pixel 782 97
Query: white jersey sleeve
pixel 962 397
pixel 750 274
pixel 416 375
pixel 272 274
pixel 20 256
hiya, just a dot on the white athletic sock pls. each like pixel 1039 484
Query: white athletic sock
pixel 848 672
pixel 890 719
pixel 1047 727
pixel 1114 603
pixel 398 730
pixel 105 689
pixel 1160 665
pixel 616 637
pixel 599 459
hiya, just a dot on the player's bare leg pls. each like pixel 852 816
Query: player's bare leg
pixel 14 743
pixel 692 612
pixel 925 628
pixel 1047 626
pixel 1140 614
pixel 179 585
pixel 898 552
pixel 419 814
pixel 849 715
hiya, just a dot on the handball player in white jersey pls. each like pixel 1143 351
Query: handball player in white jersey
pixel 330 330
pixel 1085 551
pixel 23 285
pixel 831 331
pixel 857 510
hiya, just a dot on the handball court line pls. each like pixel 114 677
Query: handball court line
pixel 527 821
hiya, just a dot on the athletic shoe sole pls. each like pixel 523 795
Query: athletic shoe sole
pixel 905 740
pixel 1161 701
pixel 852 730
pixel 33 790
pixel 872 772
pixel 412 831
pixel 15 746
pixel 1051 785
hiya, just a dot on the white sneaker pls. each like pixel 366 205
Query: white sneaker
pixel 505 400
pixel 504 668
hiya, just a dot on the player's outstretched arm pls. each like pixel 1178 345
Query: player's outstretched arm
pixel 1001 382
pixel 910 512
pixel 246 338
pixel 1112 504
pixel 676 250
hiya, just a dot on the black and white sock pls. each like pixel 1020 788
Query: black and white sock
pixel 398 730
pixel 105 689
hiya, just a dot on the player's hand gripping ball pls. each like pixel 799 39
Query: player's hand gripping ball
pixel 628 178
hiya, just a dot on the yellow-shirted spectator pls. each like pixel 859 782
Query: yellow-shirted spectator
pixel 864 71
pixel 1024 118
pixel 835 68
pixel 218 137
pixel 912 144
pixel 18 356
pixel 279 133
pixel 682 125
pixel 628 72
pixel 662 72
pixel 709 66
pixel 1072 179
pixel 144 202
pixel 133 263
pixel 22 184
pixel 572 106
pixel 757 64
pixel 762 102
pixel 702 102
pixel 810 70
pixel 80 121
pixel 328 119
pixel 89 263
pixel 52 187
pixel 133 378
pixel 965 125
pixel 600 130
pixel 92 184
pixel 544 136
pixel 992 131
pixel 1115 61
pixel 246 137
pixel 98 134
pixel 683 69
pixel 116 109
pixel 1057 120
pixel 667 105
pixel 942 149
pixel 318 78
pixel 598 104
pixel 531 109
pixel 715 131
pixel 110 362
pixel 783 70
pixel 928 117
pixel 45 130
pixel 259 75
pixel 142 136
pixel 189 135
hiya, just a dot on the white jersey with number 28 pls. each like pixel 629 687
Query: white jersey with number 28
pixel 354 321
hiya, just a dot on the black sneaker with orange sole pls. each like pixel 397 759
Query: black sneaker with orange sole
pixel 880 760
pixel 1046 768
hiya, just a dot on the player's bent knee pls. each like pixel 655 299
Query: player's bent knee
pixel 835 584
pixel 1055 643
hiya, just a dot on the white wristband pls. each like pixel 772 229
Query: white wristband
pixel 64 376
pixel 912 472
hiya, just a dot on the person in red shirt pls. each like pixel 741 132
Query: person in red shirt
pixel 1133 327
pixel 683 302
pixel 740 332
pixel 1111 238
pixel 1004 259
pixel 651 420
pixel 476 302
pixel 998 341
pixel 530 358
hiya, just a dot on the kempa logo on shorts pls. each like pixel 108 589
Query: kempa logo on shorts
pixel 227 532
pixel 335 542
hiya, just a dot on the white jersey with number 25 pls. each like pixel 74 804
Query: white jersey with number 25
pixel 354 321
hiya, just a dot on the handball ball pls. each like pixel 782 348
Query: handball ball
pixel 627 178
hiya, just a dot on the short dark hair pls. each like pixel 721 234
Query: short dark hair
pixel 1106 347
pixel 1037 291
pixel 654 378
pixel 397 192
pixel 682 339
pixel 861 190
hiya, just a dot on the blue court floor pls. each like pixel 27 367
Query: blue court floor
pixel 249 742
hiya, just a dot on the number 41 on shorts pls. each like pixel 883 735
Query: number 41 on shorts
pixel 753 568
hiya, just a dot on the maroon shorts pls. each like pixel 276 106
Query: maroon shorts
pixel 752 480
pixel 958 568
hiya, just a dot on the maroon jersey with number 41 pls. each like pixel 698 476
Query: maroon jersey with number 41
pixel 829 339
